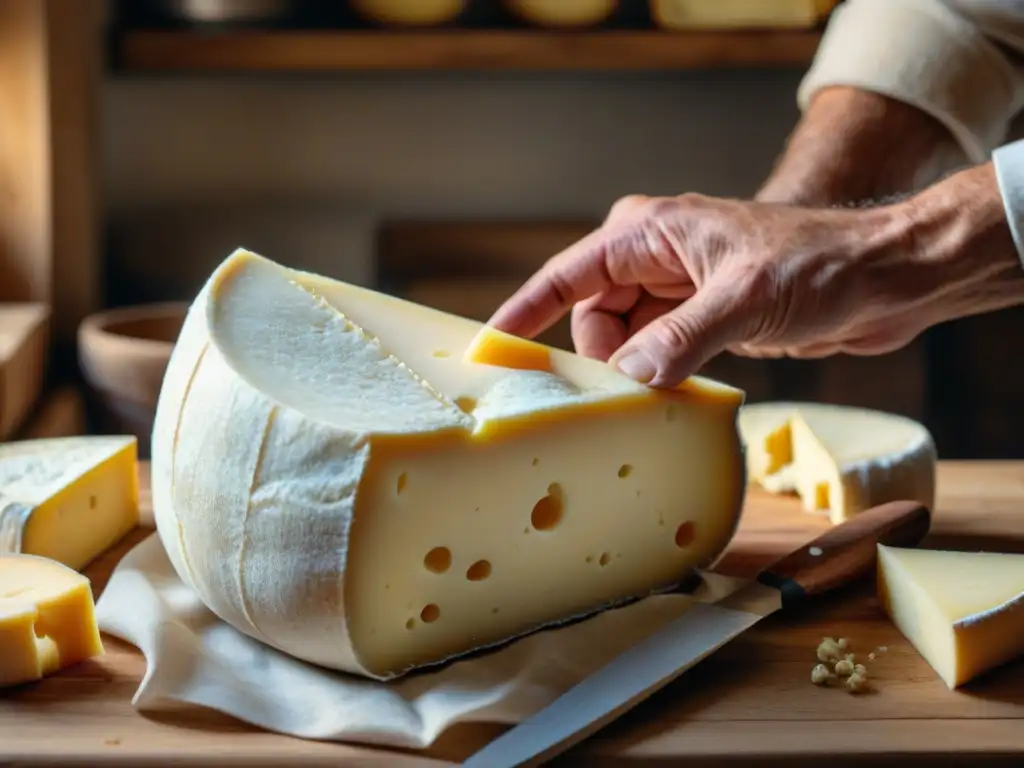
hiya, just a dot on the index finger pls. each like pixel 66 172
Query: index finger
pixel 582 270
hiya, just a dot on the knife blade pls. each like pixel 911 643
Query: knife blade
pixel 835 558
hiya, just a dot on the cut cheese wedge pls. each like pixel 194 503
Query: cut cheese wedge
pixel 47 619
pixel 838 459
pixel 493 347
pixel 733 14
pixel 69 498
pixel 963 611
pixel 333 478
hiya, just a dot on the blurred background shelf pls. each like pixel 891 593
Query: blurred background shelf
pixel 183 50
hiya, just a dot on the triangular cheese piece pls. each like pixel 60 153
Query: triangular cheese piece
pixel 334 478
pixel 963 611
pixel 838 459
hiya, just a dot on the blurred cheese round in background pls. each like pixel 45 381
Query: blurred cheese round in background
pixel 410 12
pixel 562 13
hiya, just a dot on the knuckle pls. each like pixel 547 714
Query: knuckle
pixel 675 332
pixel 626 205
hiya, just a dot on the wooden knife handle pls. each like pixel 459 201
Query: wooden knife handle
pixel 846 552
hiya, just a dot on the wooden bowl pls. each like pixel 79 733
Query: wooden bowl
pixel 123 354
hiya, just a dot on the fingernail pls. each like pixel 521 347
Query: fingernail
pixel 637 366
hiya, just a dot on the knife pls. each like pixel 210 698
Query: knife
pixel 839 556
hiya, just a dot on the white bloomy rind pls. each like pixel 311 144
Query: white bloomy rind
pixel 292 408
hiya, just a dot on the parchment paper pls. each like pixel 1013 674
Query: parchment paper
pixel 194 657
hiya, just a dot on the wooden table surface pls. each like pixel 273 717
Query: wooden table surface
pixel 752 703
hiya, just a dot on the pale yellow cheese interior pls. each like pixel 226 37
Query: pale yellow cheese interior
pixel 78 496
pixel 734 14
pixel 963 611
pixel 47 619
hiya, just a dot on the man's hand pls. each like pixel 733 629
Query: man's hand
pixel 668 283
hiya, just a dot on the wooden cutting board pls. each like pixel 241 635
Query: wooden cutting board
pixel 750 703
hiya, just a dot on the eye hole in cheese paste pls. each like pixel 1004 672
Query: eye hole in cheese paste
pixel 402 480
pixel 430 613
pixel 547 513
pixel 604 559
pixel 466 403
pixel 438 560
pixel 625 470
pixel 684 534
pixel 479 570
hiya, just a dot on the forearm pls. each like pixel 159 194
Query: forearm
pixel 959 241
pixel 853 145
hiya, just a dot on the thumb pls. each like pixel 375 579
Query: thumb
pixel 675 345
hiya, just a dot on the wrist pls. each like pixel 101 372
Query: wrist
pixel 854 145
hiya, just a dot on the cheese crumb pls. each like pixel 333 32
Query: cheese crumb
pixel 856 683
pixel 844 668
pixel 829 649
pixel 820 675
pixel 860 669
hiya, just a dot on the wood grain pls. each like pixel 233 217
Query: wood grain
pixel 752 703
pixel 526 50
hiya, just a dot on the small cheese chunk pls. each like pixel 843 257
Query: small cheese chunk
pixel 69 498
pixel 838 459
pixel 493 347
pixel 334 478
pixel 732 14
pixel 963 611
pixel 47 619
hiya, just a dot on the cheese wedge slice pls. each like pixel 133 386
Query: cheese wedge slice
pixel 963 611
pixel 69 498
pixel 838 459
pixel 333 478
pixel 47 619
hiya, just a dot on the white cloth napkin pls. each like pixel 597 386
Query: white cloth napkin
pixel 194 657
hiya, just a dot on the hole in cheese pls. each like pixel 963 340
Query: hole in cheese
pixel 466 403
pixel 590 558
pixel 402 480
pixel 479 570
pixel 625 470
pixel 438 560
pixel 684 534
pixel 604 559
pixel 547 513
pixel 442 353
pixel 410 623
pixel 430 613
pixel 92 502
pixel 536 461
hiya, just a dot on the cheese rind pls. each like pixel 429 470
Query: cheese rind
pixel 334 479
pixel 47 619
pixel 68 499
pixel 732 14
pixel 838 459
pixel 963 611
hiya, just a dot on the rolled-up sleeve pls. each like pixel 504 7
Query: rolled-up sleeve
pixel 1008 161
pixel 928 54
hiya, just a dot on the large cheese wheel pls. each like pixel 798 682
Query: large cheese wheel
pixel 410 12
pixel 333 478
pixel 562 13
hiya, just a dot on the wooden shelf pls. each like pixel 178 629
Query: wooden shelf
pixel 490 50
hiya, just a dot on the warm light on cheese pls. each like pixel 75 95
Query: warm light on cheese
pixel 68 498
pixel 963 611
pixel 732 14
pixel 47 619
pixel 493 347
pixel 334 479
pixel 563 13
pixel 838 459
pixel 411 12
